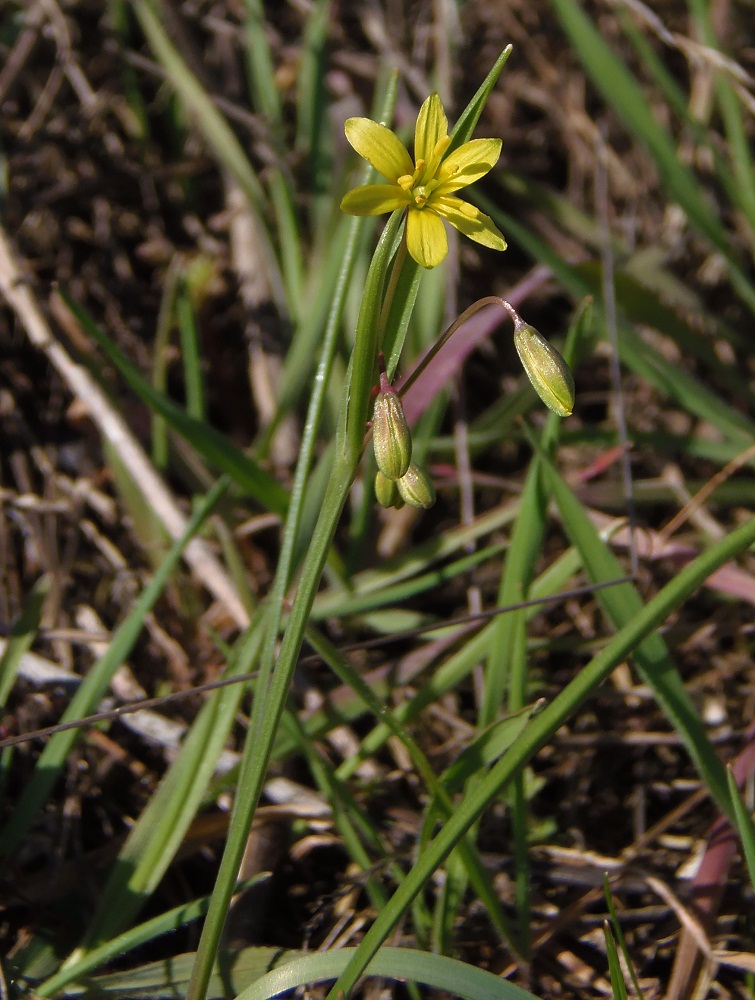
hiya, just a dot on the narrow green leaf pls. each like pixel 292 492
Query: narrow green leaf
pixel 168 980
pixel 152 843
pixel 190 354
pixel 540 729
pixel 53 757
pixel 622 604
pixel 165 923
pixel 614 965
pixel 446 974
pixel 621 90
pixel 744 825
pixel 217 133
pixel 21 637
pixel 215 447
pixel 618 935
pixel 467 120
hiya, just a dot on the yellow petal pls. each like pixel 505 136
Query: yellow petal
pixel 432 125
pixel 425 237
pixel 468 164
pixel 379 146
pixel 374 199
pixel 469 220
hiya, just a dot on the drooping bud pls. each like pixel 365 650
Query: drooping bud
pixel 416 488
pixel 391 438
pixel 549 374
pixel 386 491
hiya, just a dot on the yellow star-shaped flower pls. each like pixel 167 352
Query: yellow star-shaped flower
pixel 424 187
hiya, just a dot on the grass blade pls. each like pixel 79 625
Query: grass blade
pixel 622 604
pixel 621 90
pixel 217 133
pixel 21 637
pixel 144 933
pixel 446 974
pixel 214 446
pixel 53 757
pixel 540 729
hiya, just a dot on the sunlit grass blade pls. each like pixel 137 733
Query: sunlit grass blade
pixel 259 64
pixel 53 758
pixel 355 602
pixel 217 133
pixel 622 91
pixel 619 938
pixel 265 98
pixel 467 120
pixel 397 964
pixel 732 112
pixel 21 637
pixel 622 604
pixel 153 841
pixel 313 140
pixel 616 976
pixel 144 933
pixel 169 979
pixel 211 444
pixel 163 331
pixel 744 826
pixel 190 354
pixel 540 729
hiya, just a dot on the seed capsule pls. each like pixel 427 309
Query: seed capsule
pixel 546 369
pixel 386 491
pixel 416 488
pixel 391 438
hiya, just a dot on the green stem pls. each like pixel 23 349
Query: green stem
pixel 489 300
pixel 390 292
pixel 363 373
pixel 272 687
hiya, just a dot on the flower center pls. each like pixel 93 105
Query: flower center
pixel 420 194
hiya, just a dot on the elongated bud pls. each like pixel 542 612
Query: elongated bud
pixel 416 488
pixel 391 438
pixel 546 369
pixel 386 491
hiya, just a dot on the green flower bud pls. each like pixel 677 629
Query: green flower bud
pixel 546 369
pixel 416 488
pixel 391 438
pixel 386 491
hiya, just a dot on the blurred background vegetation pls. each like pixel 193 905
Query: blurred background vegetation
pixel 171 262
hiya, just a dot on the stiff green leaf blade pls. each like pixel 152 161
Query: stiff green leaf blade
pixel 214 446
pixel 53 758
pixel 540 729
pixel 744 825
pixel 622 604
pixel 144 933
pixel 21 637
pixel 438 971
pixel 467 120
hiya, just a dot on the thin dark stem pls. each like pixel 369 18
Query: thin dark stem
pixel 489 300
